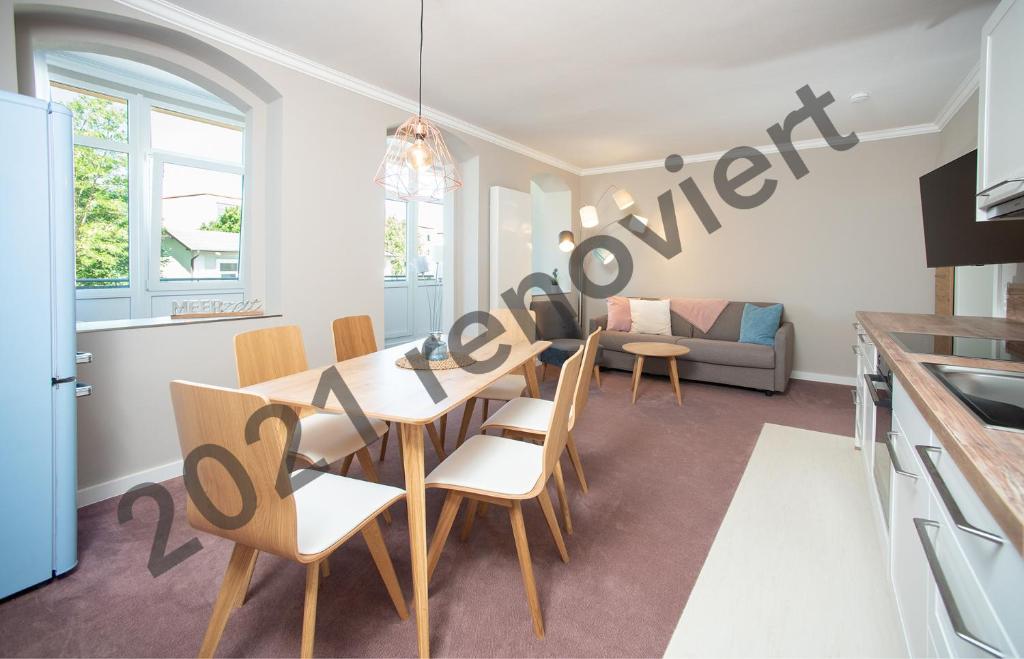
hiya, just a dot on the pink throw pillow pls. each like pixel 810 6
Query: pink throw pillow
pixel 619 317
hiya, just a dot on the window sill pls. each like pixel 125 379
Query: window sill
pixel 158 321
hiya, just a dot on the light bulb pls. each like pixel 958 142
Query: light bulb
pixel 604 256
pixel 588 217
pixel 566 241
pixel 418 156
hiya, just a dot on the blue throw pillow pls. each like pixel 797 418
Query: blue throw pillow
pixel 759 324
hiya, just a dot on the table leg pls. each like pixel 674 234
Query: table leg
pixel 673 372
pixel 412 457
pixel 638 367
pixel 530 371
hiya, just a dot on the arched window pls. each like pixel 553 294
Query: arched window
pixel 159 177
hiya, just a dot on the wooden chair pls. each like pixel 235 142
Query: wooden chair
pixel 505 472
pixel 305 526
pixel 529 418
pixel 354 337
pixel 508 386
pixel 274 352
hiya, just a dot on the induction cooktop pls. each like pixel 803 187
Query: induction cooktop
pixel 961 346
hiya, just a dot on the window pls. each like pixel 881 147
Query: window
pixel 158 186
pixel 395 240
pixel 101 186
pixel 419 223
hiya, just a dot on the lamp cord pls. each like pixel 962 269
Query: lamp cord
pixel 419 113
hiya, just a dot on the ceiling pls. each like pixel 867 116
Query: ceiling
pixel 603 82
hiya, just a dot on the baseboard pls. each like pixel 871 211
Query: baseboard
pixel 824 377
pixel 118 486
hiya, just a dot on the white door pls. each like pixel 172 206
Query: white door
pixel 414 269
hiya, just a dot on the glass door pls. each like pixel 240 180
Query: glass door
pixel 414 269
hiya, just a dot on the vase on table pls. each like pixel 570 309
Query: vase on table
pixel 435 348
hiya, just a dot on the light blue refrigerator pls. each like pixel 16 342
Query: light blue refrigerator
pixel 38 517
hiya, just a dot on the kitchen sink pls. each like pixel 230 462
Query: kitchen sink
pixel 995 397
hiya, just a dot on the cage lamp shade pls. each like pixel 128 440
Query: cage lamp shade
pixel 418 165
pixel 566 241
pixel 588 217
pixel 622 199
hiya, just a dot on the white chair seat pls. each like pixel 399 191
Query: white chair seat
pixel 331 506
pixel 532 415
pixel 491 464
pixel 332 437
pixel 506 387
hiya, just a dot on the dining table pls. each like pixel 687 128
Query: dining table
pixel 388 392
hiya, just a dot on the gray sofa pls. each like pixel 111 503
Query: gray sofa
pixel 714 357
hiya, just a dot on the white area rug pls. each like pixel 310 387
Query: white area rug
pixel 796 569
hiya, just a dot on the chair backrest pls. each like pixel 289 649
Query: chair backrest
pixel 558 428
pixel 267 354
pixel 231 484
pixel 586 374
pixel 353 337
pixel 514 332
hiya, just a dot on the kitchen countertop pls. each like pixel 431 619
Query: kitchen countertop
pixel 991 460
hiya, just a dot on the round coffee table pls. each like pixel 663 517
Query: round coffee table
pixel 668 351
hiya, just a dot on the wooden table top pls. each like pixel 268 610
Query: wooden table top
pixel 655 349
pixel 388 392
pixel 991 460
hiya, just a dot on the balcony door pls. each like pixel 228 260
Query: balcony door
pixel 414 269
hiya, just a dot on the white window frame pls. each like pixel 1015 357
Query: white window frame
pixel 144 284
pixel 154 282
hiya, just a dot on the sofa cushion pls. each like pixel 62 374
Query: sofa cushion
pixel 618 314
pixel 650 317
pixel 729 353
pixel 760 324
pixel 680 326
pixel 612 340
pixel 727 327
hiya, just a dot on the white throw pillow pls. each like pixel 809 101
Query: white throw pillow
pixel 650 317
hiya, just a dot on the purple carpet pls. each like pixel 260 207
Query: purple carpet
pixel 661 478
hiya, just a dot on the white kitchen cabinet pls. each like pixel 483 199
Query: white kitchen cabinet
pixel 959 584
pixel 996 564
pixel 964 615
pixel 1001 107
pixel 910 577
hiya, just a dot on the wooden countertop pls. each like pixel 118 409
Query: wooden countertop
pixel 991 460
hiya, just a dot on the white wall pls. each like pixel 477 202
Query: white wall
pixel 845 237
pixel 330 143
pixel 551 214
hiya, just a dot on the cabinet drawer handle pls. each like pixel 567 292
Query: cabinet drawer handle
pixel 947 497
pixel 945 592
pixel 895 459
pixel 871 379
pixel 984 193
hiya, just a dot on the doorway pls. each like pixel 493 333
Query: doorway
pixel 414 268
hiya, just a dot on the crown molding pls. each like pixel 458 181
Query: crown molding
pixel 183 18
pixel 799 145
pixel 960 95
pixel 180 17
